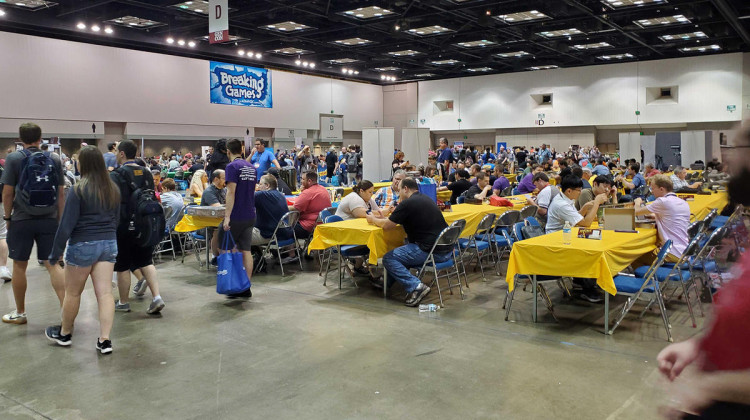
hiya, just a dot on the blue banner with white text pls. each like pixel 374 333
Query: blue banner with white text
pixel 234 84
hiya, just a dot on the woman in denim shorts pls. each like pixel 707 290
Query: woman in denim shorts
pixel 89 227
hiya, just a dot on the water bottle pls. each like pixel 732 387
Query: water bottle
pixel 428 308
pixel 567 234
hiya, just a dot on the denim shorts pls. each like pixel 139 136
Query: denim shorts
pixel 85 254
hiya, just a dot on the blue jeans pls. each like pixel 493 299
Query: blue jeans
pixel 398 262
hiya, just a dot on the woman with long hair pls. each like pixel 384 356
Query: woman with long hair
pixel 198 183
pixel 89 228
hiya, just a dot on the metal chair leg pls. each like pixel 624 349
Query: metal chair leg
pixel 689 305
pixel 437 283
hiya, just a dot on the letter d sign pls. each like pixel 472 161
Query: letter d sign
pixel 218 21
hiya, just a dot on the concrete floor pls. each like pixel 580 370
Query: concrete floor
pixel 298 349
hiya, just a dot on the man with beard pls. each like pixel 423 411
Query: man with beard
pixel 720 386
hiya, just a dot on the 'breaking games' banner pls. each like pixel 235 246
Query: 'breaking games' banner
pixel 233 84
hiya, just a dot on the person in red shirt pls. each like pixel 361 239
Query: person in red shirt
pixel 312 200
pixel 719 386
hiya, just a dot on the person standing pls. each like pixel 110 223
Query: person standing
pixel 32 218
pixel 132 255
pixel 308 162
pixel 241 177
pixel 445 157
pixel 261 158
pixel 89 228
pixel 109 158
pixel 352 165
pixel 331 161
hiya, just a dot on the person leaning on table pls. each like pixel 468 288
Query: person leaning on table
pixel 423 223
pixel 357 205
pixel 672 216
pixel 562 209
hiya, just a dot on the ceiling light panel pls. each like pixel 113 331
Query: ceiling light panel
pixel 341 61
pixel 548 67
pixel 511 54
pixel 29 4
pixel 480 69
pixel 386 68
pixel 288 26
pixel 476 44
pixel 352 41
pixel 404 53
pixel 195 6
pixel 616 56
pixel 617 4
pixel 368 12
pixel 429 30
pixel 446 62
pixel 425 75
pixel 593 46
pixel 291 51
pixel 135 22
pixel 682 37
pixel 232 38
pixel 522 17
pixel 561 32
pixel 701 48
pixel 662 21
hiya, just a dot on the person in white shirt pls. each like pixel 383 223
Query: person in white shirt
pixel 546 193
pixel 679 182
pixel 358 203
pixel 562 209
pixel 672 215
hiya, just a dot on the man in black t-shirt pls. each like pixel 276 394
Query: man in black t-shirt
pixel 459 186
pixel 423 222
pixel 521 158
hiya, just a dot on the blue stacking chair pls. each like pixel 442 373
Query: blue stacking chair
pixel 284 246
pixel 480 247
pixel 532 221
pixel 503 240
pixel 529 211
pixel 635 287
pixel 460 199
pixel 448 238
pixel 345 251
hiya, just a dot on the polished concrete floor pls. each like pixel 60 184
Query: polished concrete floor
pixel 298 349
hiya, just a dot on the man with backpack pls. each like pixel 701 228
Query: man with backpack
pixel 141 227
pixel 352 165
pixel 33 201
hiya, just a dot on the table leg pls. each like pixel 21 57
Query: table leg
pixel 606 313
pixel 385 283
pixel 533 301
pixel 208 249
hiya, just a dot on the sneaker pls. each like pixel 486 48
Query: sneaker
pixel 416 296
pixel 156 306
pixel 54 333
pixel 104 347
pixel 122 307
pixel 591 296
pixel 246 294
pixel 5 274
pixel 215 261
pixel 377 282
pixel 140 287
pixel 362 271
pixel 15 318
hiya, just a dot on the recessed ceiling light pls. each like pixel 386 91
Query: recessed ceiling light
pixel 2 12
pixel 480 69
pixel 29 4
pixel 135 22
pixel 291 51
pixel 424 75
pixel 81 25
pixel 615 56
pixel 352 41
pixel 512 54
pixel 96 28
pixel 367 12
pixel 702 48
pixel 241 52
pixel 391 68
pixel 312 65
pixel 170 40
pixel 108 30
pixel 403 53
pixel 685 36
pixel 195 6
pixel 429 30
pixel 446 62
pixel 560 32
pixel 593 46
pixel 288 26
pixel 522 17
pixel 181 42
pixel 258 55
pixel 298 62
pixel 191 44
pixel 475 44
pixel 548 67
pixel 341 61
pixel 662 21
pixel 617 4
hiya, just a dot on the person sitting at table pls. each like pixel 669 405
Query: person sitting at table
pixel 459 186
pixel 357 205
pixel 198 165
pixel 649 170
pixel 459 166
pixel 282 186
pixel 600 168
pixel 473 171
pixel 156 174
pixel 543 200
pixel 215 196
pixel 481 189
pixel 527 183
pixel 672 216
pixel 637 180
pixel 270 207
pixel 603 184
pixel 562 209
pixel 387 197
pixel 197 184
pixel 501 182
pixel 172 200
pixel 585 174
pixel 423 223
pixel 679 183
pixel 313 199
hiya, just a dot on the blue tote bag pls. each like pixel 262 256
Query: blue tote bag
pixel 231 276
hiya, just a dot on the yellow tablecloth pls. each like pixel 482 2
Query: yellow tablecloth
pixel 519 201
pixel 600 259
pixel 359 232
pixel 190 223
pixel 444 196
pixel 700 205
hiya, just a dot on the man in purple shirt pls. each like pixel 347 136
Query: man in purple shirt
pixel 526 185
pixel 239 218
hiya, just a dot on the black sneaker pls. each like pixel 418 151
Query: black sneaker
pixel 362 271
pixel 215 261
pixel 377 282
pixel 53 333
pixel 104 347
pixel 246 294
pixel 592 296
pixel 416 296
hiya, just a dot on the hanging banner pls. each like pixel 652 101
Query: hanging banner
pixel 233 84
pixel 218 21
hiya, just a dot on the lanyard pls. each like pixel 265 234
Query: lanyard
pixel 129 162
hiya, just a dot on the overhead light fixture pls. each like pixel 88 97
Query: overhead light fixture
pixel 291 51
pixel 2 12
pixel 424 75
pixel 108 30
pixel 617 4
pixel 352 41
pixel 369 12
pixel 195 6
pixel 258 55
pixel 480 69
pixel 702 48
pixel 136 22
pixel 170 40
pixel 560 32
pixel 593 46
pixel 429 30
pixel 232 38
pixel 298 62
pixel 191 44
pixel 341 61
pixel 685 36
pixel 516 54
pixel 662 21
pixel 81 26
pixel 312 65
pixel 522 17
pixel 390 68
pixel 475 44
pixel 241 52
pixel 548 67
pixel 181 42
pixel 387 78
pixel 288 26
pixel 446 62
pixel 615 56
pixel 29 4
pixel 349 71
pixel 403 53
pixel 96 28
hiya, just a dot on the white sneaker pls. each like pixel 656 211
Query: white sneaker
pixel 5 273
pixel 15 318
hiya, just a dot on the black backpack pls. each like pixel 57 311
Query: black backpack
pixel 144 215
pixel 37 183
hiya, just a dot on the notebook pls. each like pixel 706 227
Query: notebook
pixel 619 218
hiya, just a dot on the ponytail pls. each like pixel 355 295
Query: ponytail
pixel 362 186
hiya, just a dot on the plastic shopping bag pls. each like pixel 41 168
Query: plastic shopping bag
pixel 231 276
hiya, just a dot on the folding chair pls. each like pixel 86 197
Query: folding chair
pixel 166 243
pixel 460 199
pixel 634 287
pixel 705 261
pixel 506 191
pixel 448 238
pixel 461 224
pixel 198 244
pixel 503 238
pixel 709 219
pixel 695 228
pixel 528 211
pixel 480 247
pixel 284 246
pixel 345 251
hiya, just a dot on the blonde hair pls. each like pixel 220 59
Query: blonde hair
pixel 197 182
pixel 662 181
